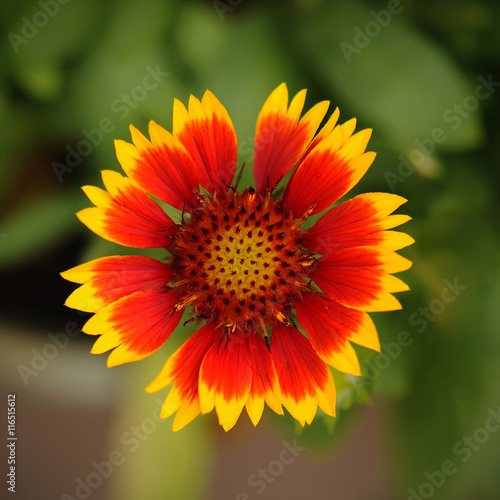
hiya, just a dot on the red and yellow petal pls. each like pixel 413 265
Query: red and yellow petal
pixel 125 214
pixel 331 327
pixel 207 133
pixel 108 279
pixel 161 166
pixel 329 170
pixel 281 138
pixel 183 368
pixel 265 385
pixel 135 309
pixel 360 278
pixel 323 132
pixel 361 221
pixel 305 379
pixel 137 325
pixel 226 379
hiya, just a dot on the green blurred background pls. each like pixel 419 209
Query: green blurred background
pixel 424 75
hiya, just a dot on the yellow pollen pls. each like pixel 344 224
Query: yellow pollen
pixel 239 262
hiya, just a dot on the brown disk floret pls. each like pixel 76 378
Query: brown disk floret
pixel 239 261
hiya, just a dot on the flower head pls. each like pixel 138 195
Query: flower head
pixel 276 304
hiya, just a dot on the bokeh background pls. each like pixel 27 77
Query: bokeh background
pixel 425 75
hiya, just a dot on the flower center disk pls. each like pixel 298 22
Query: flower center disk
pixel 239 262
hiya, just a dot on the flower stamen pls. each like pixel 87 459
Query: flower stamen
pixel 239 262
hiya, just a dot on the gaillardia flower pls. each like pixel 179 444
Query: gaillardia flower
pixel 276 304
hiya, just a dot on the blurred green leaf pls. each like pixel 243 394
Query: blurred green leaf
pixel 397 80
pixel 125 78
pixel 240 59
pixel 37 226
pixel 42 39
pixel 42 79
pixel 53 33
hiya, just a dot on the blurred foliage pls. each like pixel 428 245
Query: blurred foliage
pixel 73 84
